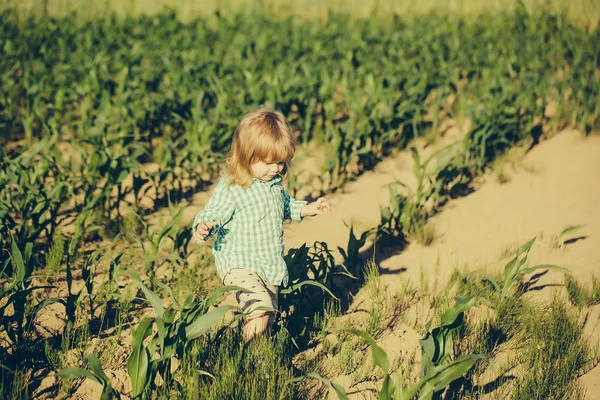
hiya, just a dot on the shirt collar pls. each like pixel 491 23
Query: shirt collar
pixel 276 179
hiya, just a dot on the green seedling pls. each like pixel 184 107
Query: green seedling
pixel 96 374
pixel 437 344
pixel 435 381
pixel 560 240
pixel 169 330
pixel 15 293
pixel 514 271
pixel 155 239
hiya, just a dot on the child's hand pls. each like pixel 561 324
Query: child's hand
pixel 319 207
pixel 202 230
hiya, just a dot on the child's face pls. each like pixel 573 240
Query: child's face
pixel 266 171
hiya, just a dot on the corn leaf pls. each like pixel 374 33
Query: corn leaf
pixel 139 361
pixel 380 357
pixel 205 321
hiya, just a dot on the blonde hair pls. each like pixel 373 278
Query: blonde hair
pixel 262 135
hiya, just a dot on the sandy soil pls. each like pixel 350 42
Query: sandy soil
pixel 554 186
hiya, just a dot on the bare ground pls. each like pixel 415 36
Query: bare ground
pixel 552 187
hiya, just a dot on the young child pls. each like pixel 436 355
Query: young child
pixel 247 210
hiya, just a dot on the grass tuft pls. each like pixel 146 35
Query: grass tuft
pixel 257 370
pixel 554 356
pixel 377 293
pixel 579 295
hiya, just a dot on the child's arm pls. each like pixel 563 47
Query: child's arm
pixel 218 211
pixel 319 207
pixel 292 208
pixel 297 209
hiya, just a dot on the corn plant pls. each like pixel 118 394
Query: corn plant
pixel 427 185
pixel 351 254
pixel 391 224
pixel 72 302
pixel 437 344
pixel 175 326
pixel 96 374
pixel 311 274
pixel 563 237
pixel 15 293
pixel 313 267
pixel 409 209
pixel 155 240
pixel 364 92
pixel 317 267
pixel 102 174
pixel 514 271
pixel 28 207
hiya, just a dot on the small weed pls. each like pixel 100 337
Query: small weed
pixel 14 385
pixel 436 273
pixel 346 359
pixel 55 256
pixel 508 250
pixel 123 315
pixel 53 356
pixel 555 354
pixel 199 277
pixel 595 297
pixel 423 284
pixel 74 339
pixel 130 225
pixel 579 295
pixel 426 234
pixel 324 322
pixel 559 241
pixel 364 371
pixel 481 337
pixel 530 168
pixel 378 299
pixel 510 311
pixel 478 284
pixel 440 303
pixel 501 175
pixel 406 366
pixel 513 159
pixel 257 370
pixel 406 287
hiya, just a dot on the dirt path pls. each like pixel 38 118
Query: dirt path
pixel 556 185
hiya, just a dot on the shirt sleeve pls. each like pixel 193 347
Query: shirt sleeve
pixel 292 207
pixel 219 209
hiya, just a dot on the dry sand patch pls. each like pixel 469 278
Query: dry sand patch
pixel 560 188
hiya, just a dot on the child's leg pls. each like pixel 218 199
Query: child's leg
pixel 258 294
pixel 260 322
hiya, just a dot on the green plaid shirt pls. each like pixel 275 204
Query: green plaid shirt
pixel 250 227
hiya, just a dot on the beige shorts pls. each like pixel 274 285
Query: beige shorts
pixel 259 293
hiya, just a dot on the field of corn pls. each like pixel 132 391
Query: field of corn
pixel 106 121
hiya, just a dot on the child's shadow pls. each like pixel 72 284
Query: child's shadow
pixel 302 310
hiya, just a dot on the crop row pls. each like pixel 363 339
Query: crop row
pixel 108 96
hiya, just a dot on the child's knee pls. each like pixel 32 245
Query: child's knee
pixel 261 319
pixel 260 323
